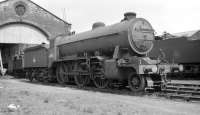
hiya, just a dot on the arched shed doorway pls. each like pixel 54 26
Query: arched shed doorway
pixel 19 33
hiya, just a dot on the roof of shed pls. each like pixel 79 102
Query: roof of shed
pixel 190 35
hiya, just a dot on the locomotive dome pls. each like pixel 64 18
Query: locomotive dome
pixel 97 25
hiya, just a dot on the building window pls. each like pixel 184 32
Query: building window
pixel 20 9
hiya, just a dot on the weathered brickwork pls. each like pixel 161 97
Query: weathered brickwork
pixel 27 12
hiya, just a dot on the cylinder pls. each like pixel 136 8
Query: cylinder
pixel 135 34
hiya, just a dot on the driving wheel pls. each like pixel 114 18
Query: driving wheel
pixel 60 74
pixel 136 82
pixel 100 82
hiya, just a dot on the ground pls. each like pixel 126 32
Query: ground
pixel 38 99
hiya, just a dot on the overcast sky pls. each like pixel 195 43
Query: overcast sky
pixel 165 15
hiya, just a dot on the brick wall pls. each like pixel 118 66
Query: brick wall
pixel 34 15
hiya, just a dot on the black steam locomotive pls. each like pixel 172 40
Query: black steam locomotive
pixel 105 55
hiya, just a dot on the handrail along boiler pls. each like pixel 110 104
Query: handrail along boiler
pixel 109 54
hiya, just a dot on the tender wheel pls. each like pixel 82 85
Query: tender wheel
pixel 136 83
pixel 100 82
pixel 39 76
pixel 31 76
pixel 27 75
pixel 60 74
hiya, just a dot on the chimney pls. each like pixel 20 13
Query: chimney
pixel 129 15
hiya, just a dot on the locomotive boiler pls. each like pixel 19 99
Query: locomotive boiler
pixel 109 54
pixel 136 35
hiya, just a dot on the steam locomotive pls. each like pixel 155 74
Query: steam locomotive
pixel 115 54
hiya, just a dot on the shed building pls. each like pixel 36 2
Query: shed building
pixel 24 23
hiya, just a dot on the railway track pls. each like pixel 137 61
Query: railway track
pixel 184 91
